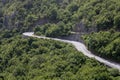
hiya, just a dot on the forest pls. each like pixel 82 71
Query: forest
pixel 38 59
pixel 105 44
pixel 26 15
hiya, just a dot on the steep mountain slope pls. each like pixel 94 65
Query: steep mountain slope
pixel 26 14
pixel 39 59
pixel 105 44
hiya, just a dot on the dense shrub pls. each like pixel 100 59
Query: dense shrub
pixel 27 14
pixel 36 59
pixel 106 44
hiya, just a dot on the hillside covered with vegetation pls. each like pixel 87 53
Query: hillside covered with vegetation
pixel 37 59
pixel 27 14
pixel 105 44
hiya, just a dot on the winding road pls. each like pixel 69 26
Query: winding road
pixel 80 47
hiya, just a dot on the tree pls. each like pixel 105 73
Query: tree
pixel 117 21
pixel 53 14
pixel 73 7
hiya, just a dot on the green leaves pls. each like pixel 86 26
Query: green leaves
pixel 117 21
pixel 53 30
pixel 35 59
pixel 105 43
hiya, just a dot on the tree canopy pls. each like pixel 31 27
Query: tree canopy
pixel 39 59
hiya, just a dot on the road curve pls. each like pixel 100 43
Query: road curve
pixel 80 47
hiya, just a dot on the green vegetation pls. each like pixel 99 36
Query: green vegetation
pixel 53 30
pixel 39 59
pixel 27 14
pixel 96 14
pixel 106 44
